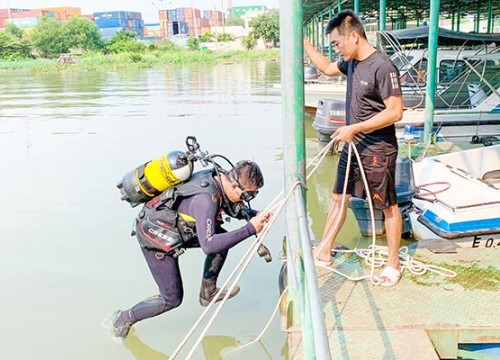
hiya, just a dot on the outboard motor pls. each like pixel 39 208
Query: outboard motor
pixel 330 115
pixel 405 190
pixel 310 72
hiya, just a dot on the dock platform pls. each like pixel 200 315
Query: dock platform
pixel 422 317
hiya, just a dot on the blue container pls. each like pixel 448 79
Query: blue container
pixel 172 14
pixel 110 23
pixel 183 28
pixel 108 33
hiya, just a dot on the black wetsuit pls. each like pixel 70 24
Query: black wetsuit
pixel 213 240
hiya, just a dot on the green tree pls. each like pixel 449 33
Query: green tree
pixel 248 42
pixel 11 28
pixel 124 41
pixel 267 27
pixel 82 33
pixel 49 38
pixel 13 48
pixel 207 37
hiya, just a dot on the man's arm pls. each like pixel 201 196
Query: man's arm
pixel 392 113
pixel 320 61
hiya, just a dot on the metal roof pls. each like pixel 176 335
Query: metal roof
pixel 445 37
pixel 400 8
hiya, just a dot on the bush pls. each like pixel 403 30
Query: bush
pixel 13 48
pixel 248 42
pixel 193 43
pixel 225 37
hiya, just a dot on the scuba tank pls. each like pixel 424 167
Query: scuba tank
pixel 152 178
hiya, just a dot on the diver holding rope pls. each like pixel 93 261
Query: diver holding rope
pixel 373 104
pixel 189 215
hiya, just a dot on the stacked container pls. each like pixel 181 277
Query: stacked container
pixel 23 18
pixel 111 22
pixel 65 12
pixel 181 21
pixel 214 17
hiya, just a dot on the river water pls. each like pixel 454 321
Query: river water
pixel 67 259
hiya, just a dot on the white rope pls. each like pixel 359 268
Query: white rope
pixel 237 273
pixel 257 339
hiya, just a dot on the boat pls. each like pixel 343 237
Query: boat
pixel 458 198
pixel 406 51
pixel 476 116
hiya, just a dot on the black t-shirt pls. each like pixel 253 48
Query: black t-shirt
pixel 369 82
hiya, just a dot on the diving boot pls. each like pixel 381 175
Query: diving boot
pixel 207 293
pixel 122 322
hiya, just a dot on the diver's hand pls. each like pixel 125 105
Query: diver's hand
pixel 259 220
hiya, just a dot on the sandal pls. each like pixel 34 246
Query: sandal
pixel 392 275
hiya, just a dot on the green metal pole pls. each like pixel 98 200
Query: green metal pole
pixel 430 90
pixel 339 5
pixel 382 15
pixel 330 48
pixel 292 90
pixel 458 16
pixel 478 16
pixel 322 32
pixel 356 6
pixel 489 28
pixel 453 21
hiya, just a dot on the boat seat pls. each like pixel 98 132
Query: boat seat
pixel 492 178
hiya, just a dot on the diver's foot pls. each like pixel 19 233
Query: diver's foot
pixel 121 324
pixel 206 295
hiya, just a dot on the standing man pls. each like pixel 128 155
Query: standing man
pixel 373 105
pixel 192 212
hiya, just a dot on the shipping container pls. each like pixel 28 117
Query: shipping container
pixel 4 13
pixel 204 30
pixel 110 23
pixel 27 22
pixel 1 23
pixel 125 15
pixel 31 14
pixel 69 11
pixel 172 14
pixel 205 22
pixel 207 14
pixel 88 16
pixel 163 14
pixel 108 33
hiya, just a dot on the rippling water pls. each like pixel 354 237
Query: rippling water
pixel 66 255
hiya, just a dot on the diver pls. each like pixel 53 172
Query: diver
pixel 186 216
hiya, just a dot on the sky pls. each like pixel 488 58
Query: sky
pixel 149 8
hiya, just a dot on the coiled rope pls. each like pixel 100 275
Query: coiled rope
pixel 373 255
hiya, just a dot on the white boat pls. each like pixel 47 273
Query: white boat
pixel 458 198
pixel 452 77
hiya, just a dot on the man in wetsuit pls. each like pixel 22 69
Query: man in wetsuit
pixel 373 105
pixel 202 198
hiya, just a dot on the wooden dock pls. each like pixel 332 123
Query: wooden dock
pixel 423 317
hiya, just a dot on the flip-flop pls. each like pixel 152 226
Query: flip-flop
pixel 322 263
pixel 392 275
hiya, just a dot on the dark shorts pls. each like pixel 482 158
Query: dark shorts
pixel 380 173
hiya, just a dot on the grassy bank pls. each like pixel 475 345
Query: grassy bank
pixel 149 59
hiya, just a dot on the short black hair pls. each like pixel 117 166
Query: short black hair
pixel 346 21
pixel 248 172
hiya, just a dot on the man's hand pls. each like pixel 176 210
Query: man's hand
pixel 259 220
pixel 344 133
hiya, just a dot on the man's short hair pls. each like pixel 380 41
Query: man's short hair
pixel 346 21
pixel 248 172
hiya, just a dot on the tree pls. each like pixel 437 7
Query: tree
pixel 49 38
pixel 82 33
pixel 267 27
pixel 124 41
pixel 13 48
pixel 11 28
pixel 248 42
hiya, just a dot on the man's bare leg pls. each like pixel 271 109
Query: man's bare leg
pixel 331 231
pixel 393 228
